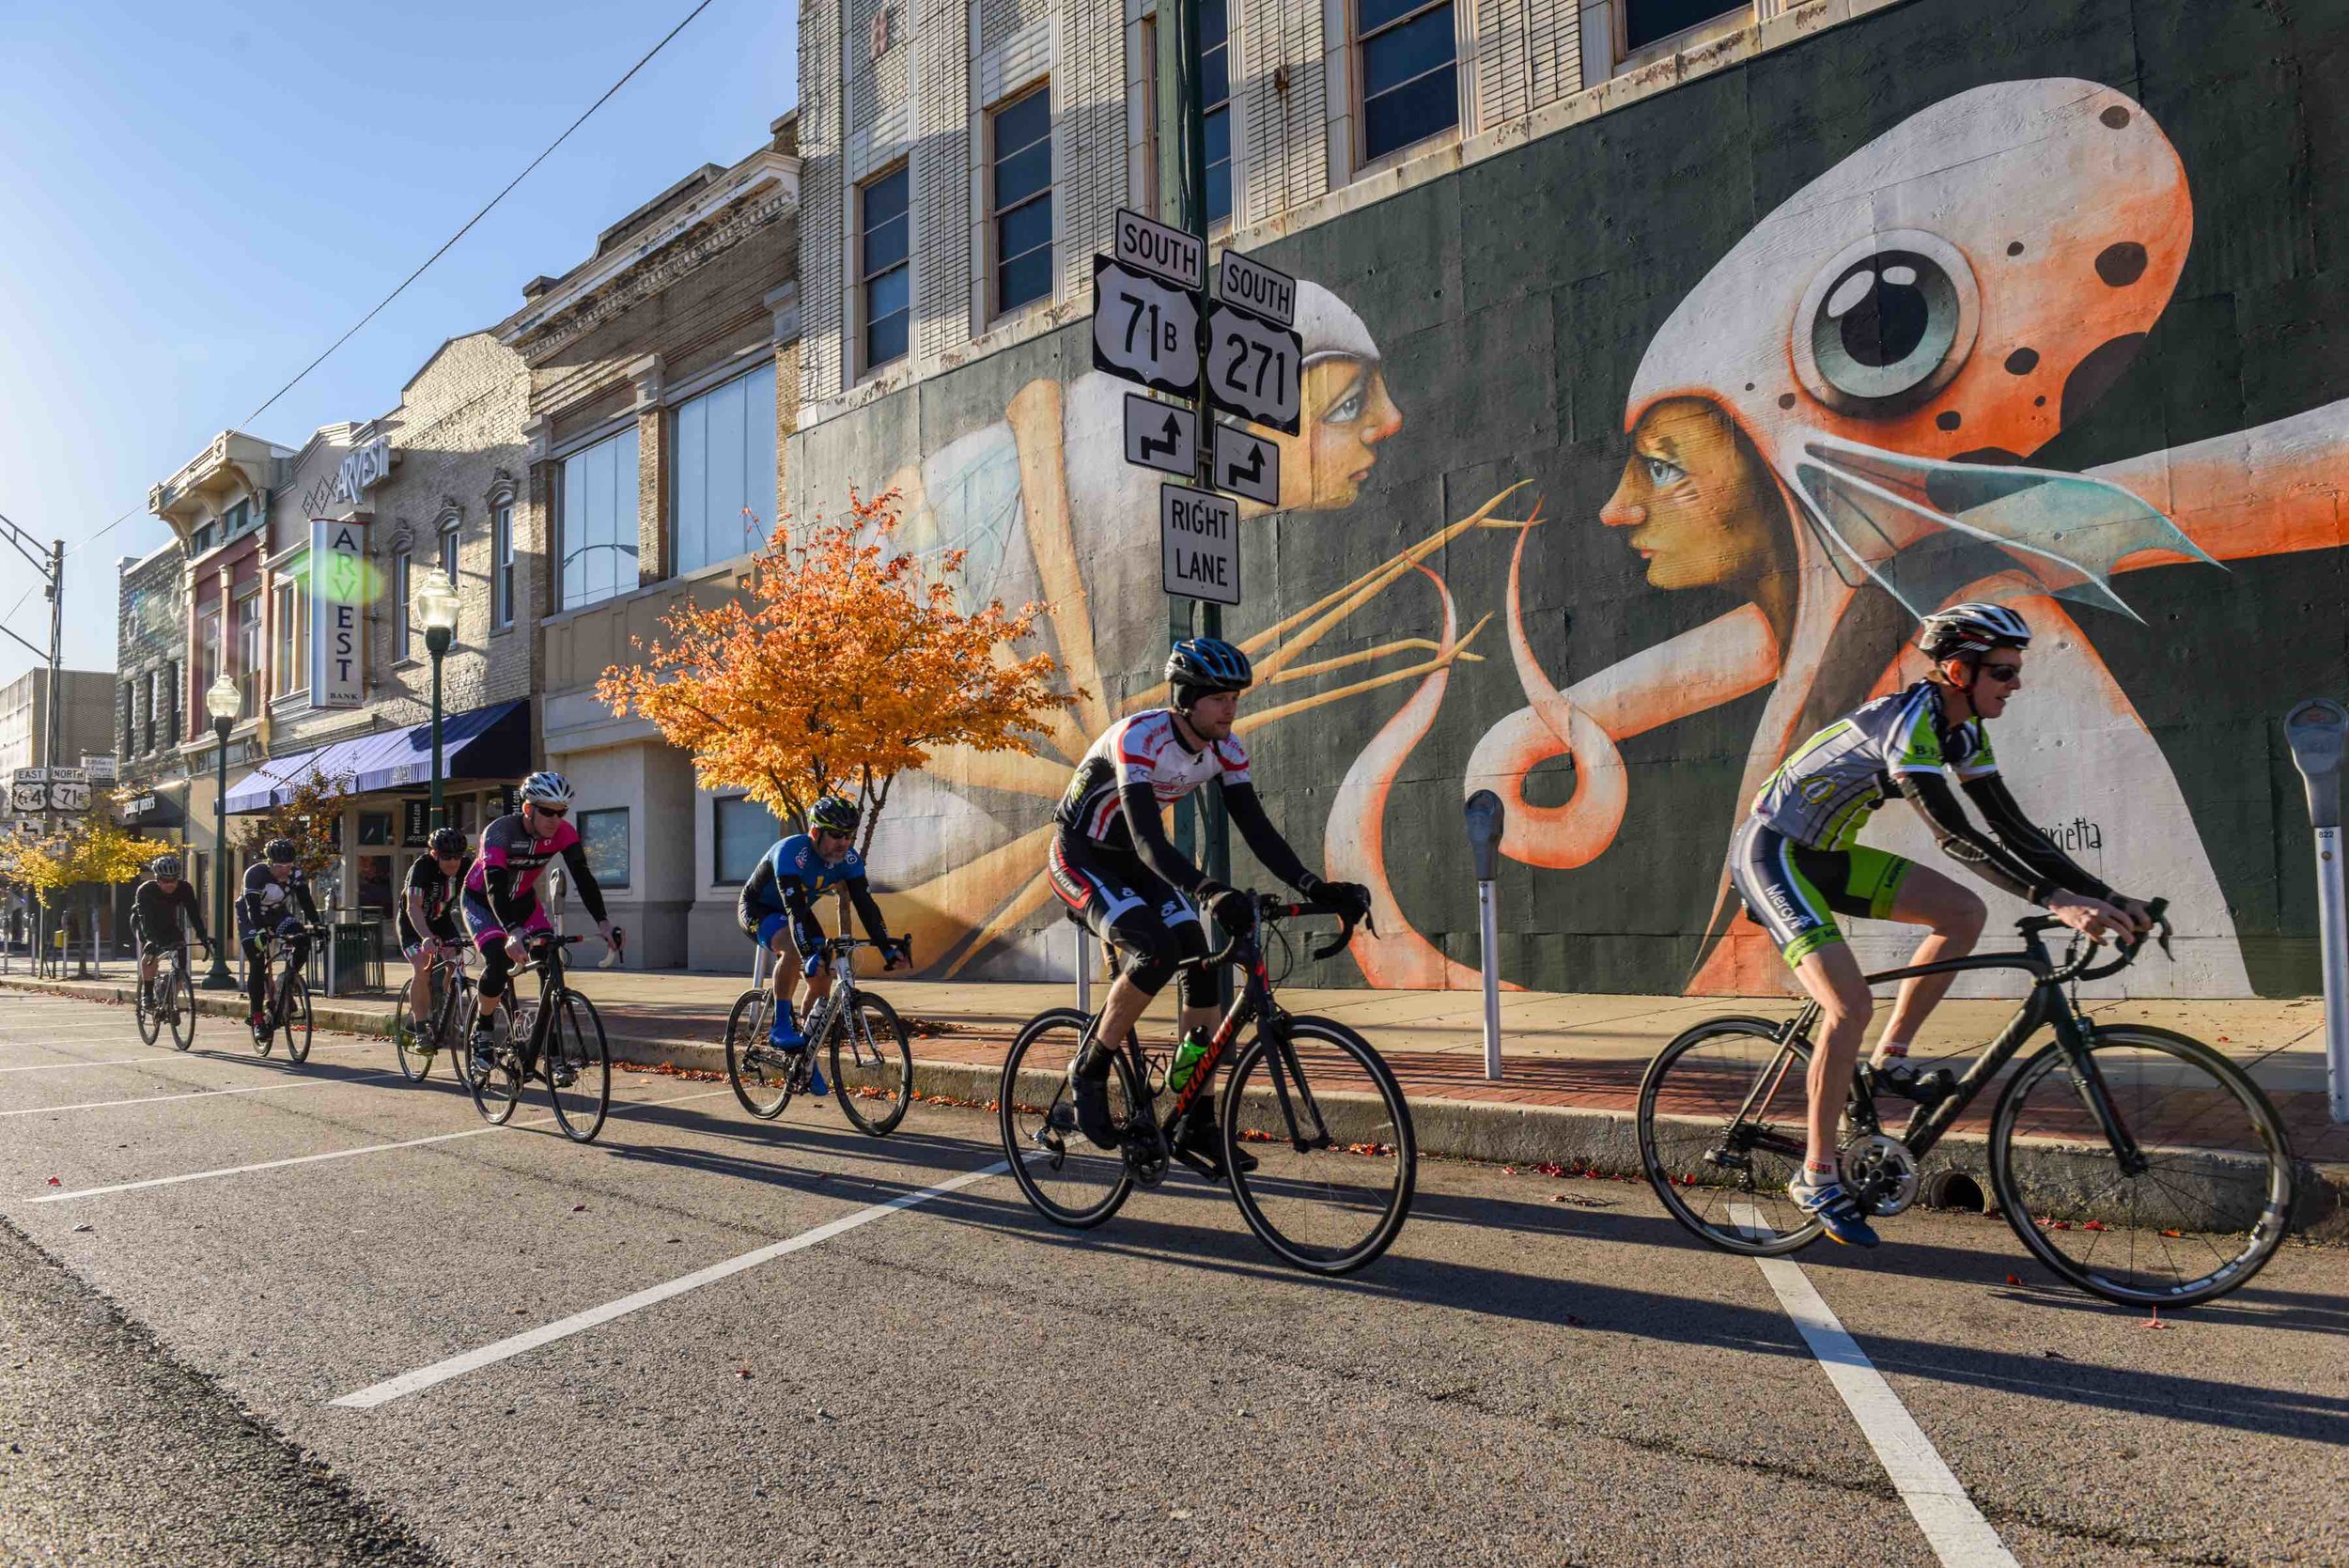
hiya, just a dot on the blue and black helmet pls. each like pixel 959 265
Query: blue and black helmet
pixel 1198 665
pixel 834 811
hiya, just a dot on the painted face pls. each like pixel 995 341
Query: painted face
pixel 1210 717
pixel 1347 413
pixel 1700 510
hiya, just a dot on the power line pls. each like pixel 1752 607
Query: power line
pixel 445 245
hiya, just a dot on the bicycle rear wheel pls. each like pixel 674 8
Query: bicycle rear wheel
pixel 761 1074
pixel 179 1006
pixel 575 1035
pixel 2211 1203
pixel 1336 1162
pixel 1721 1113
pixel 293 1012
pixel 1070 1180
pixel 872 1066
pixel 496 1095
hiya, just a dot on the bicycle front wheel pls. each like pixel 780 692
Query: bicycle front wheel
pixel 150 1016
pixel 416 1056
pixel 180 1006
pixel 872 1066
pixel 761 1074
pixel 1335 1159
pixel 1721 1130
pixel 293 1012
pixel 2200 1210
pixel 1069 1179
pixel 575 1038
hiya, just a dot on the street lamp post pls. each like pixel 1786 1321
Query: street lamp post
pixel 221 700
pixel 436 606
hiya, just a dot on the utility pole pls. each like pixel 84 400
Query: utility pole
pixel 50 564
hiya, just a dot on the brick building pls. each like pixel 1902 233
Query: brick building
pixel 663 389
pixel 150 655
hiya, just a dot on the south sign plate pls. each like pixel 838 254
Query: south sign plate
pixel 1162 436
pixel 1144 331
pixel 1252 368
pixel 1175 254
pixel 1199 531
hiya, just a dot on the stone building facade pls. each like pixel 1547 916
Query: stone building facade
pixel 150 656
pixel 663 391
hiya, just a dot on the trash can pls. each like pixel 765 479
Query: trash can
pixel 355 960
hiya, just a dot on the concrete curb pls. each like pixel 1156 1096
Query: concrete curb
pixel 1591 1140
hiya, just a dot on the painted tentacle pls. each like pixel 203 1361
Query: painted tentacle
pixel 1354 842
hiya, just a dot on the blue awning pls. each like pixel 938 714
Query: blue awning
pixel 491 742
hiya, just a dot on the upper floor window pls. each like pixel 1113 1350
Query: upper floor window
pixel 249 651
pixel 596 522
pixel 208 644
pixel 1215 91
pixel 290 611
pixel 501 565
pixel 723 497
pixel 448 551
pixel 1410 84
pixel 1647 21
pixel 883 232
pixel 404 601
pixel 1020 191
pixel 159 707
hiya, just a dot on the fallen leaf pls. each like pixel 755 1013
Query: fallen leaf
pixel 1178 1513
pixel 2054 1356
pixel 55 1182
pixel 2013 1279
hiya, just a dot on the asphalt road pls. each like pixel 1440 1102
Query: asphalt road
pixel 1541 1371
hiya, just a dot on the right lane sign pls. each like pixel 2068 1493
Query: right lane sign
pixel 1144 331
pixel 1199 531
pixel 1247 464
pixel 1252 366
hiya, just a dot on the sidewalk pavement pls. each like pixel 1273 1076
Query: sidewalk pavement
pixel 1571 1063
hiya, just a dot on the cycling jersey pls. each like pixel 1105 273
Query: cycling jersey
pixel 504 874
pixel 1821 796
pixel 440 900
pixel 158 915
pixel 262 906
pixel 1144 748
pixel 788 875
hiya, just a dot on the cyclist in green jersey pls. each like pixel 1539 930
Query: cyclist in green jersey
pixel 1796 864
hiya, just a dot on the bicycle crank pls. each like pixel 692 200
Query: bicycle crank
pixel 1881 1172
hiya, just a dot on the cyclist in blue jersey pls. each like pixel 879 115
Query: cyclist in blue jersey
pixel 1797 863
pixel 776 910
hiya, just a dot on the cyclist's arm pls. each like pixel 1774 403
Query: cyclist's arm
pixel 1264 839
pixel 249 904
pixel 861 896
pixel 806 930
pixel 758 895
pixel 590 892
pixel 299 893
pixel 1141 806
pixel 1960 841
pixel 416 921
pixel 2029 845
pixel 195 907
pixel 497 881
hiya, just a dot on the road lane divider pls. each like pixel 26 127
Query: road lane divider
pixel 69 1066
pixel 196 1094
pixel 594 1317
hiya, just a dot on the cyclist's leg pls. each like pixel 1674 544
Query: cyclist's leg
pixel 774 934
pixel 297 944
pixel 255 974
pixel 488 939
pixel 1116 904
pixel 1923 897
pixel 419 982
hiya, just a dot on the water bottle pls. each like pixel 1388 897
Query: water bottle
pixel 1186 1061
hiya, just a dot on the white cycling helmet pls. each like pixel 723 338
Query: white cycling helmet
pixel 546 789
pixel 1973 628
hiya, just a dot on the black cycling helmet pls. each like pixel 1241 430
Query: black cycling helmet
pixel 165 868
pixel 1976 627
pixel 835 813
pixel 281 851
pixel 447 841
pixel 1199 665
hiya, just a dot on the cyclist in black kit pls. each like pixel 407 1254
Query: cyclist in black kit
pixel 428 914
pixel 1112 864
pixel 271 885
pixel 161 910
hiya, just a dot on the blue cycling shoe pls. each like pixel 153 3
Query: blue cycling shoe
pixel 1838 1213
pixel 815 1084
pixel 784 1033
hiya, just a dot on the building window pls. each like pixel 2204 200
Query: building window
pixel 249 652
pixel 744 830
pixel 501 565
pixel 596 527
pixel 1647 21
pixel 129 720
pixel 173 683
pixel 1215 91
pixel 882 247
pixel 604 835
pixel 722 495
pixel 1410 89
pixel 448 551
pixel 404 601
pixel 1021 134
pixel 290 670
pixel 207 640
pixel 158 708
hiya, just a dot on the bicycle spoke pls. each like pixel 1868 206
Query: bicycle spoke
pixel 1331 1190
pixel 1069 1179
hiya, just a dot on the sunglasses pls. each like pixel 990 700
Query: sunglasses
pixel 2005 675
pixel 549 811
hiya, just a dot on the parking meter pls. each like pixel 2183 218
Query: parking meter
pixel 1486 816
pixel 2318 732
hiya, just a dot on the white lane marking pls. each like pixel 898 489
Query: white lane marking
pixel 68 1066
pixel 1953 1526
pixel 196 1094
pixel 578 1323
pixel 339 1153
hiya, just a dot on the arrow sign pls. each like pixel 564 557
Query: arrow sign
pixel 1248 465
pixel 1161 436
pixel 1144 331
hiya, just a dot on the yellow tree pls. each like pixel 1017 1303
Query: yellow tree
pixel 845 663
pixel 310 819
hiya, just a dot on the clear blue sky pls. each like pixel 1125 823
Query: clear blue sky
pixel 197 198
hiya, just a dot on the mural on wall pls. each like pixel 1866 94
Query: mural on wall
pixel 1838 426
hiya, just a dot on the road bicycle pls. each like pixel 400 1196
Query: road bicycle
pixel 448 1021
pixel 1317 1148
pixel 286 1004
pixel 557 1039
pixel 2138 1164
pixel 172 996
pixel 871 1063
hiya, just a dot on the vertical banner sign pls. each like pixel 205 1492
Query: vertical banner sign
pixel 338 599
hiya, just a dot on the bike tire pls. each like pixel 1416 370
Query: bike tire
pixel 580 1108
pixel 150 1020
pixel 761 1076
pixel 416 1061
pixel 497 1095
pixel 1687 1107
pixel 875 1085
pixel 1334 1205
pixel 293 1014
pixel 180 1001
pixel 2221 1168
pixel 1077 1185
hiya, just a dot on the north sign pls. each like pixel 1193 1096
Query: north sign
pixel 1144 331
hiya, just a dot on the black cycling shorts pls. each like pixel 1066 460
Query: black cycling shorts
pixel 1117 897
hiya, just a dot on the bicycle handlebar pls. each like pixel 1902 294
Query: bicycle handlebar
pixel 2128 949
pixel 1269 908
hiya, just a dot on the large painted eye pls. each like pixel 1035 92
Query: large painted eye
pixel 1886 323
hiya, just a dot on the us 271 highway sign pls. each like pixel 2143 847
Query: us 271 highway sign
pixel 1253 367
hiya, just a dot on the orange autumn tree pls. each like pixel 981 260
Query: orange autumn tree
pixel 845 663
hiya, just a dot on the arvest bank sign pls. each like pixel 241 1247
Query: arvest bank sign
pixel 338 602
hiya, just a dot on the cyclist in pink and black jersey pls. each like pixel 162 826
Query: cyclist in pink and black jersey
pixel 501 898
